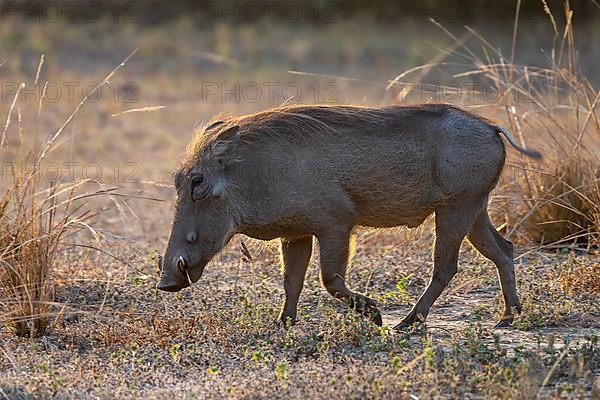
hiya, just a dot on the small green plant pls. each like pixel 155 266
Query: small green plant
pixel 174 351
pixel 396 363
pixel 402 287
pixel 429 353
pixel 257 357
pixel 282 371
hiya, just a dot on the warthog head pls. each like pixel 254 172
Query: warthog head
pixel 203 222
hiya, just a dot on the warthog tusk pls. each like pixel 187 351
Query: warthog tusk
pixel 159 261
pixel 183 268
pixel 181 263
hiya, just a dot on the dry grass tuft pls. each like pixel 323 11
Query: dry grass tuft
pixel 30 234
pixel 564 206
pixel 35 216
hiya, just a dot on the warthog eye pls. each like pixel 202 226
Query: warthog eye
pixel 197 180
pixel 197 191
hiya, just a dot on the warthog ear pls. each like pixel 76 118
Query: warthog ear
pixel 213 125
pixel 225 150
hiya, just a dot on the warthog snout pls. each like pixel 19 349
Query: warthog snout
pixel 177 273
pixel 171 281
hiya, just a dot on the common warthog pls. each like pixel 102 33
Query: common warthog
pixel 301 171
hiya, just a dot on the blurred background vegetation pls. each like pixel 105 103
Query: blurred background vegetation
pixel 368 40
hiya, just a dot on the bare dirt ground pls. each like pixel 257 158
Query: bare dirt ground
pixel 119 337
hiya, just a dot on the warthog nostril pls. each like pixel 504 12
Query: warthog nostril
pixel 191 237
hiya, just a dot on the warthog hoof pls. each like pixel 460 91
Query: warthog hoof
pixel 366 307
pixel 409 322
pixel 505 322
pixel 375 317
pixel 508 317
pixel 406 327
pixel 286 320
pixel 402 326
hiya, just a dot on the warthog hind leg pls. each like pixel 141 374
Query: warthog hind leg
pixel 451 226
pixel 486 239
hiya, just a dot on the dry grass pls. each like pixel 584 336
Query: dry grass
pixel 30 236
pixel 219 339
pixel 563 206
pixel 35 217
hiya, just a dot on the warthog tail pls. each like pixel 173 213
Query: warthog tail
pixel 536 155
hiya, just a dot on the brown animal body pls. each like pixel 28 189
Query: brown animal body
pixel 302 171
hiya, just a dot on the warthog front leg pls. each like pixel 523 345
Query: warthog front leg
pixel 295 256
pixel 334 249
